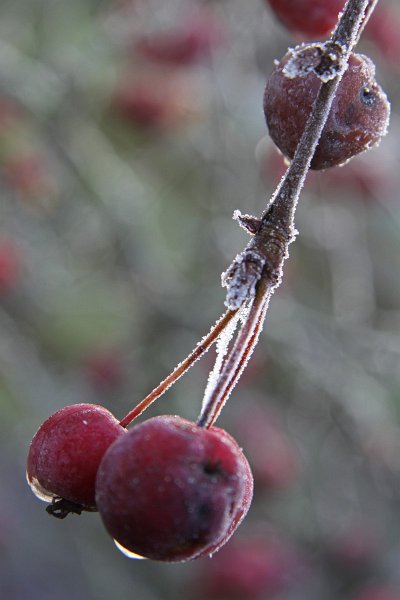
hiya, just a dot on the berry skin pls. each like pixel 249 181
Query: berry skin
pixel 309 18
pixel 172 491
pixel 66 451
pixel 357 121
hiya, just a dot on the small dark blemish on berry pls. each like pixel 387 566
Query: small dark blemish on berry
pixel 367 96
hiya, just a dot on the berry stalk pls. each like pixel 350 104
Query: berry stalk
pixel 181 368
pixel 237 359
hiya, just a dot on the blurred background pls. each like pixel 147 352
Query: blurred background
pixel 130 130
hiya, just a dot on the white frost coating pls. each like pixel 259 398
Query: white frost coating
pixel 222 348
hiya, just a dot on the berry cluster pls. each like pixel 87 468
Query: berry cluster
pixel 167 489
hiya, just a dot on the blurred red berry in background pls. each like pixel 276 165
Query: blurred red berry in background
pixel 383 30
pixel 249 567
pixel 157 99
pixel 183 45
pixel 10 114
pixel 29 176
pixel 10 264
pixel 356 549
pixel 272 457
pixel 103 369
pixel 377 592
pixel 308 18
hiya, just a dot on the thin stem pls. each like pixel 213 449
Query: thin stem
pixel 177 373
pixel 237 359
pixel 368 12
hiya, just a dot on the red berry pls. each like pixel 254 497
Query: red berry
pixel 309 18
pixel 104 369
pixel 354 550
pixel 10 115
pixel 170 490
pixel 273 459
pixel 377 592
pixel 10 264
pixel 251 567
pixel 183 45
pixel 29 176
pixel 66 451
pixel 383 30
pixel 357 121
pixel 155 99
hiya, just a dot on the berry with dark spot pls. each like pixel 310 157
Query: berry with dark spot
pixel 170 490
pixel 357 121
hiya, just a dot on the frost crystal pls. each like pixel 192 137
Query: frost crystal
pixel 222 348
pixel 241 277
pixel 325 60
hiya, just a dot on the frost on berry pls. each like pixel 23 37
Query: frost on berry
pixel 357 121
pixel 65 453
pixel 324 60
pixel 170 490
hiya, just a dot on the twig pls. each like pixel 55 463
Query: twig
pixel 257 271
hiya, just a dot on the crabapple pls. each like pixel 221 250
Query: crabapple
pixel 170 490
pixel 383 30
pixel 183 45
pixel 66 451
pixel 249 567
pixel 29 176
pixel 273 459
pixel 376 592
pixel 158 100
pixel 103 369
pixel 10 115
pixel 354 550
pixel 10 264
pixel 309 18
pixel 357 121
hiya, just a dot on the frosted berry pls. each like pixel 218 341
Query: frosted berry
pixel 309 18
pixel 65 453
pixel 357 121
pixel 171 491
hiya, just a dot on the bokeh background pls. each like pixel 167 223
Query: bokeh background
pixel 130 130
